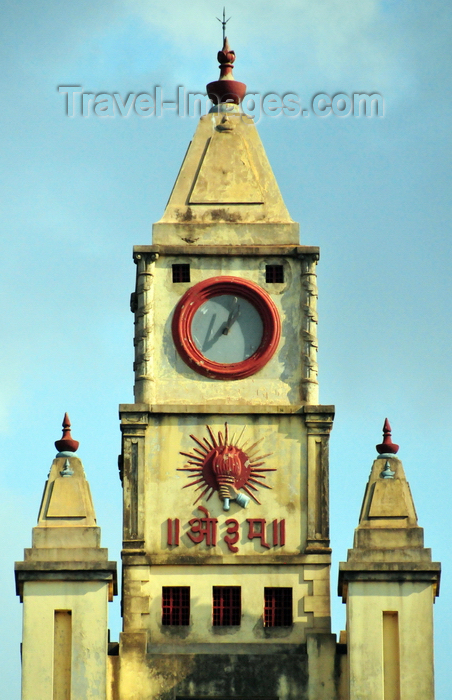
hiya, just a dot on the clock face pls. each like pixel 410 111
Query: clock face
pixel 226 328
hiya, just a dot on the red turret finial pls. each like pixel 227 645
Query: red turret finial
pixel 226 89
pixel 387 447
pixel 226 58
pixel 67 443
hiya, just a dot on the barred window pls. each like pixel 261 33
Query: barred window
pixel 176 605
pixel 278 607
pixel 181 273
pixel 227 606
pixel 274 273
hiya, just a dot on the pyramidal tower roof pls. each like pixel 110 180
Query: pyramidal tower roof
pixel 66 539
pixel 226 192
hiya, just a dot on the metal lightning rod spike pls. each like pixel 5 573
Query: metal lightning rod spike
pixel 224 22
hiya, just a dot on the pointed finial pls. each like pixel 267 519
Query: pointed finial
pixel 67 443
pixel 387 447
pixel 226 89
pixel 226 58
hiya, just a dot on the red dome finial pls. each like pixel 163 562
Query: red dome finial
pixel 387 446
pixel 67 443
pixel 226 89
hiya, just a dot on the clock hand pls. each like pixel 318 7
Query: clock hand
pixel 206 345
pixel 233 315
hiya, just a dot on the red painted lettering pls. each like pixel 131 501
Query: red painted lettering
pixel 173 533
pixel 282 533
pixel 232 535
pixel 201 528
pixel 257 534
pixel 279 533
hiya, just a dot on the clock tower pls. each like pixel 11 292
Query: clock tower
pixel 226 558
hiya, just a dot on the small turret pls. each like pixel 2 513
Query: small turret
pixel 64 583
pixel 388 584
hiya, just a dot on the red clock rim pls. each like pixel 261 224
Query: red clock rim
pixel 216 286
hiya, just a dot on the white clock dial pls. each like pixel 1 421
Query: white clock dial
pixel 227 329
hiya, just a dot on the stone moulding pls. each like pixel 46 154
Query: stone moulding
pixel 66 571
pixel 429 572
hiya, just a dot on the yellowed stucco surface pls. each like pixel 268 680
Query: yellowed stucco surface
pixel 252 585
pixel 163 377
pixel 87 600
pixel 226 191
pixel 367 600
pixel 281 444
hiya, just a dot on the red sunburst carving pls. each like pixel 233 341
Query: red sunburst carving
pixel 220 463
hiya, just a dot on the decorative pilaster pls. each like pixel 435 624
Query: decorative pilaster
pixel 309 342
pixel 319 422
pixel 142 305
pixel 133 427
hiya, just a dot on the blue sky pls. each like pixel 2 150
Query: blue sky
pixel 78 193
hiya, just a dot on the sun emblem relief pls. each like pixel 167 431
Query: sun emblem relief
pixel 226 464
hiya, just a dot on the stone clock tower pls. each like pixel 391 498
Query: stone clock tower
pixel 226 558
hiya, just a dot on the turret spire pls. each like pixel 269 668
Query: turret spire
pixel 226 89
pixel 67 442
pixel 387 447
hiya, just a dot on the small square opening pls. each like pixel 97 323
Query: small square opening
pixel 274 273
pixel 181 272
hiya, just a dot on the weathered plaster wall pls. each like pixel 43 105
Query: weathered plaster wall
pixel 282 438
pixel 310 593
pixel 158 366
pixel 87 600
pixel 300 672
pixel 365 605
pixel 282 676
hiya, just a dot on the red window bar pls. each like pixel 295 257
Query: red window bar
pixel 227 605
pixel 176 605
pixel 181 273
pixel 274 273
pixel 278 607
